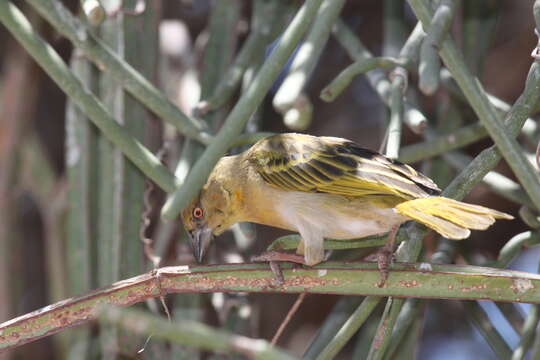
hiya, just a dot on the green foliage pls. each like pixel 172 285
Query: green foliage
pixel 429 81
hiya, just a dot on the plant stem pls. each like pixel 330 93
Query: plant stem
pixel 246 106
pixel 441 144
pixel 94 11
pixel 351 326
pixel 346 76
pixel 106 60
pixel 430 64
pixel 334 321
pixel 191 333
pixel 53 64
pixel 476 96
pixel 405 280
pixel 308 55
pixel 481 321
pixel 396 114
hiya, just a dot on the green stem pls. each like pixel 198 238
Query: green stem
pixel 513 247
pixel 527 334
pixel 308 55
pixel 529 217
pixel 53 65
pixel 476 96
pixel 351 326
pixel 334 321
pixel 192 334
pixel 430 64
pixel 105 59
pixel 377 78
pixel 405 320
pixel 246 106
pixel 441 144
pixel 501 106
pixel 345 77
pixel 94 11
pixel 381 341
pixel 290 242
pixel 82 175
pixel 396 114
pixel 497 182
pixel 489 158
pixel 478 317
pixel 405 280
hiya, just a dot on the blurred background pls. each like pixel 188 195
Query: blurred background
pixel 72 208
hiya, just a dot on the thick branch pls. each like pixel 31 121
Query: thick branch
pixel 405 280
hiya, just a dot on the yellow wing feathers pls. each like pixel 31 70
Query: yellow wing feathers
pixel 297 162
pixel 450 218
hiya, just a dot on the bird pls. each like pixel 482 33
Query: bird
pixel 323 187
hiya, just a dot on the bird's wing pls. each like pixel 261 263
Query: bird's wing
pixel 299 162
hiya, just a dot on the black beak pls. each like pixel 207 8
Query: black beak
pixel 200 240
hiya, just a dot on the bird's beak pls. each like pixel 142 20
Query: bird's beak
pixel 200 239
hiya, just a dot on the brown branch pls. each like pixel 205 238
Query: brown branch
pixel 405 280
pixel 288 317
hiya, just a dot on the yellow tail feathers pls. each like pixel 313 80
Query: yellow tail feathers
pixel 450 218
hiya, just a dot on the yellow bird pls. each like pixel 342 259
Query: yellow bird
pixel 323 187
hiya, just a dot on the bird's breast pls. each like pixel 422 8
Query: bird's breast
pixel 333 216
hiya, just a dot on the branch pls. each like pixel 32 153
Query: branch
pixel 191 333
pixel 240 114
pixel 55 67
pixel 479 101
pixel 430 65
pixel 94 11
pixel 405 280
pixel 137 85
pixel 441 144
pixel 307 55
pixel 346 76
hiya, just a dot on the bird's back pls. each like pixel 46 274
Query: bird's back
pixel 298 162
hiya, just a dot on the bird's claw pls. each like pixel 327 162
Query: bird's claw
pixel 274 258
pixel 276 270
pixel 385 257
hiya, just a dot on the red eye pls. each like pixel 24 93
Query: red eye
pixel 198 213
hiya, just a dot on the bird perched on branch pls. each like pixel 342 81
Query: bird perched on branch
pixel 323 187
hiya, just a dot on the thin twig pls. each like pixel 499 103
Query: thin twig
pixel 294 308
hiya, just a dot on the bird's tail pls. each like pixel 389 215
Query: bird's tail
pixel 450 218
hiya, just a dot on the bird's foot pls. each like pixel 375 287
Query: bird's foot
pixel 385 257
pixel 274 258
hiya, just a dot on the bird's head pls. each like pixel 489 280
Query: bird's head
pixel 211 213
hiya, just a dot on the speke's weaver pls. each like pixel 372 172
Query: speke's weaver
pixel 324 187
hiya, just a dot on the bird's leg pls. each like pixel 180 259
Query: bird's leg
pixel 385 255
pixel 274 258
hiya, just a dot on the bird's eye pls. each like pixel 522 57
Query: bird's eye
pixel 198 213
